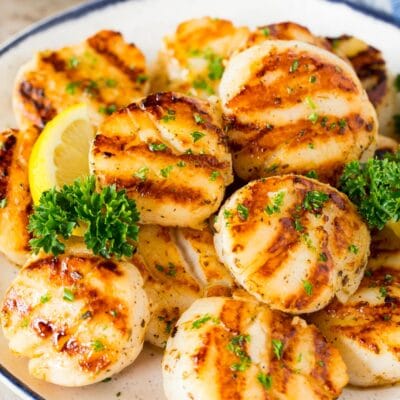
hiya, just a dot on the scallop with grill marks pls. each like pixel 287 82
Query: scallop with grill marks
pixel 291 107
pixel 78 317
pixel 227 349
pixel 169 153
pixel 293 242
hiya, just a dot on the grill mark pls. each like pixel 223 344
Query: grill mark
pixel 330 78
pixel 101 43
pixel 42 327
pixel 37 98
pixel 55 61
pixel 231 314
pixel 6 157
pixel 157 190
pixel 110 266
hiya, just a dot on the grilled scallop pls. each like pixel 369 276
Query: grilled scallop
pixel 292 242
pixel 366 330
pixel 286 31
pixel 181 267
pixel 192 60
pixel 230 349
pixel 370 66
pixel 104 72
pixel 15 197
pixel 169 154
pixel 293 107
pixel 78 317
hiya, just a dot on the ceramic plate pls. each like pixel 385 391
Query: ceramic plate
pixel 145 23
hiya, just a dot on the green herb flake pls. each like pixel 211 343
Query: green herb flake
pixel 114 313
pixel 203 85
pixel 45 298
pixel 353 249
pixel 201 321
pixel 198 118
pixel 142 78
pixel 110 216
pixel 181 164
pixel 277 348
pixel 97 345
pixel 73 62
pixel 308 287
pixel 312 79
pixel 91 87
pixel 321 363
pixel 68 295
pixel 383 292
pixel 214 175
pixel 313 117
pixel 166 171
pixel 311 146
pixel 388 278
pixel 227 214
pixel 169 271
pixel 323 257
pixel 111 83
pixel 196 135
pixel 71 87
pixel 265 380
pixel 108 109
pixel 3 203
pixel 294 66
pixel 368 273
pixel 265 31
pixel 141 173
pixel 297 225
pixel 312 174
pixel 237 347
pixel 342 123
pixel 314 201
pixel 324 121
pixel 243 212
pixel 310 103
pixel 86 315
pixel 157 147
pixel 277 202
pixel 169 116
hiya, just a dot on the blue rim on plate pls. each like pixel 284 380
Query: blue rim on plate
pixel 20 387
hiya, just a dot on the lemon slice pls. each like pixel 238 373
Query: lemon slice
pixel 395 227
pixel 61 154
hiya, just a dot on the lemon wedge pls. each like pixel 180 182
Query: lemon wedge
pixel 395 227
pixel 61 154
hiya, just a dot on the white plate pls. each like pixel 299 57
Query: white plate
pixel 145 22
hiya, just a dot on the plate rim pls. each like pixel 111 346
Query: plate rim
pixel 6 377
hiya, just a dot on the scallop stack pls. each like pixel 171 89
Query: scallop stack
pixel 270 292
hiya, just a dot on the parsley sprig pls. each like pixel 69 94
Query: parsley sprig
pixel 374 187
pixel 109 216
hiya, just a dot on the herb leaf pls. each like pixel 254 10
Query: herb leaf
pixel 110 217
pixel 314 200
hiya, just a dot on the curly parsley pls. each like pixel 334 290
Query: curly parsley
pixel 110 218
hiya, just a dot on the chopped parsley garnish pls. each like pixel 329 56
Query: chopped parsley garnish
pixel 323 257
pixel 109 216
pixel 201 321
pixel 265 31
pixel 308 241
pixel 236 346
pixel 114 313
pixel 294 66
pixel 311 146
pixel 196 135
pixel 243 212
pixel 297 225
pixel 71 87
pixel 313 117
pixel 198 119
pixel 141 173
pixel 169 116
pixel 108 109
pixel 314 200
pixel 68 295
pixel 271 168
pixel 308 287
pixel 91 87
pixel 215 67
pixel 312 174
pixel 97 345
pixel 277 348
pixel 166 171
pixel 45 298
pixel 374 188
pixel 265 380
pixel 324 120
pixel 342 123
pixel 227 214
pixel 321 363
pixel 214 175
pixel 310 103
pixel 397 83
pixel 86 315
pixel 111 83
pixel 170 270
pixel 157 147
pixel 142 78
pixel 181 164
pixel 277 202
pixel 368 273
pixel 203 85
pixel 353 249
pixel 73 62
pixel 3 203
pixel 383 291
pixel 312 79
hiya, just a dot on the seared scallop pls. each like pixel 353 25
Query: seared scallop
pixel 370 66
pixel 181 267
pixel 104 71
pixel 78 318
pixel 192 60
pixel 366 329
pixel 286 31
pixel 170 155
pixel 15 197
pixel 293 107
pixel 230 349
pixel 292 242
